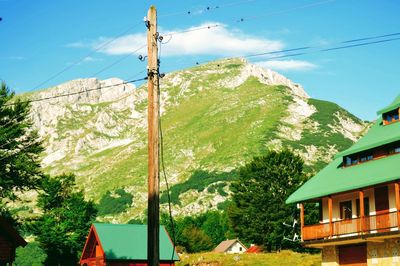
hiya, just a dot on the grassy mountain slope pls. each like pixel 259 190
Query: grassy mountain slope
pixel 215 117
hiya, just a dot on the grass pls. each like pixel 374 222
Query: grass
pixel 206 128
pixel 283 258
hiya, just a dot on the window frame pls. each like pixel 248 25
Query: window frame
pixel 346 214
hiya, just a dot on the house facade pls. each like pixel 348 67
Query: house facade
pixel 358 195
pixel 233 246
pixel 124 245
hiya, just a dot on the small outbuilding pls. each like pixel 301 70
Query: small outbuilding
pixel 233 246
pixel 124 245
pixel 9 241
pixel 254 249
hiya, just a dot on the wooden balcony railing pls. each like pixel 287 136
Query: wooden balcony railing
pixel 357 226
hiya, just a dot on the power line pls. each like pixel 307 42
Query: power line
pixel 243 19
pixel 23 148
pixel 163 164
pixel 359 44
pixel 83 58
pixel 23 115
pixel 194 29
pixel 118 61
pixel 311 49
pixel 168 190
pixel 205 9
pixel 78 92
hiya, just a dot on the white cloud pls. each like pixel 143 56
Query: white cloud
pixel 122 45
pixel 217 40
pixel 76 45
pixel 91 59
pixel 18 58
pixel 288 65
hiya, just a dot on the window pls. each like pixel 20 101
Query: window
pixel 366 157
pixel 240 248
pixel 348 161
pixel 320 210
pixel 366 207
pixel 391 116
pixel 345 210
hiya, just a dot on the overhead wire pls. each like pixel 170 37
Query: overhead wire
pixel 284 11
pixel 119 60
pixel 98 48
pixel 304 50
pixel 192 11
pixel 27 101
pixel 163 164
pixel 23 148
pixel 78 92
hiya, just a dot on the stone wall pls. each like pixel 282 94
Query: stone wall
pixel 384 253
pixel 330 256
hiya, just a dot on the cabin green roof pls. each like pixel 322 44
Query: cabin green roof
pixel 129 242
pixel 377 135
pixel 395 104
pixel 335 179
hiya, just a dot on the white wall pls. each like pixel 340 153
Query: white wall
pixel 236 248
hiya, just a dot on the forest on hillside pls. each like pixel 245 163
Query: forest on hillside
pixel 255 214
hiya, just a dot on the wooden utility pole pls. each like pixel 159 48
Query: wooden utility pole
pixel 153 208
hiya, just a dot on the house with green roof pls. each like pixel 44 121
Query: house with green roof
pixel 124 245
pixel 358 195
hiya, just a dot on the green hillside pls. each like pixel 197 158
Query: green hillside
pixel 215 117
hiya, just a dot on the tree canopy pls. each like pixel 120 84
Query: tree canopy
pixel 258 209
pixel 64 225
pixel 19 146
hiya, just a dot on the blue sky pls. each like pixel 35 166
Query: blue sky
pixel 41 38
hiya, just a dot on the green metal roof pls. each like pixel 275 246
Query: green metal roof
pixel 395 104
pixel 377 135
pixel 129 242
pixel 335 179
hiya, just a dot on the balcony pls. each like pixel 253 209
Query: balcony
pixel 367 225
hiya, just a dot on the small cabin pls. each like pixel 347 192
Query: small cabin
pixel 124 245
pixel 233 246
pixel 9 241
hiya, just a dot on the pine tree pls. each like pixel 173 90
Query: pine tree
pixel 64 225
pixel 19 146
pixel 259 210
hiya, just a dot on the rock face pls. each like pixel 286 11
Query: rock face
pixel 215 117
pixel 59 120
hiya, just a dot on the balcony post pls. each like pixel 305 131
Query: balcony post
pixel 330 216
pixel 302 221
pixel 361 196
pixel 397 195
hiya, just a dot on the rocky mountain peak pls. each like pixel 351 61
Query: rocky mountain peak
pixel 211 123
